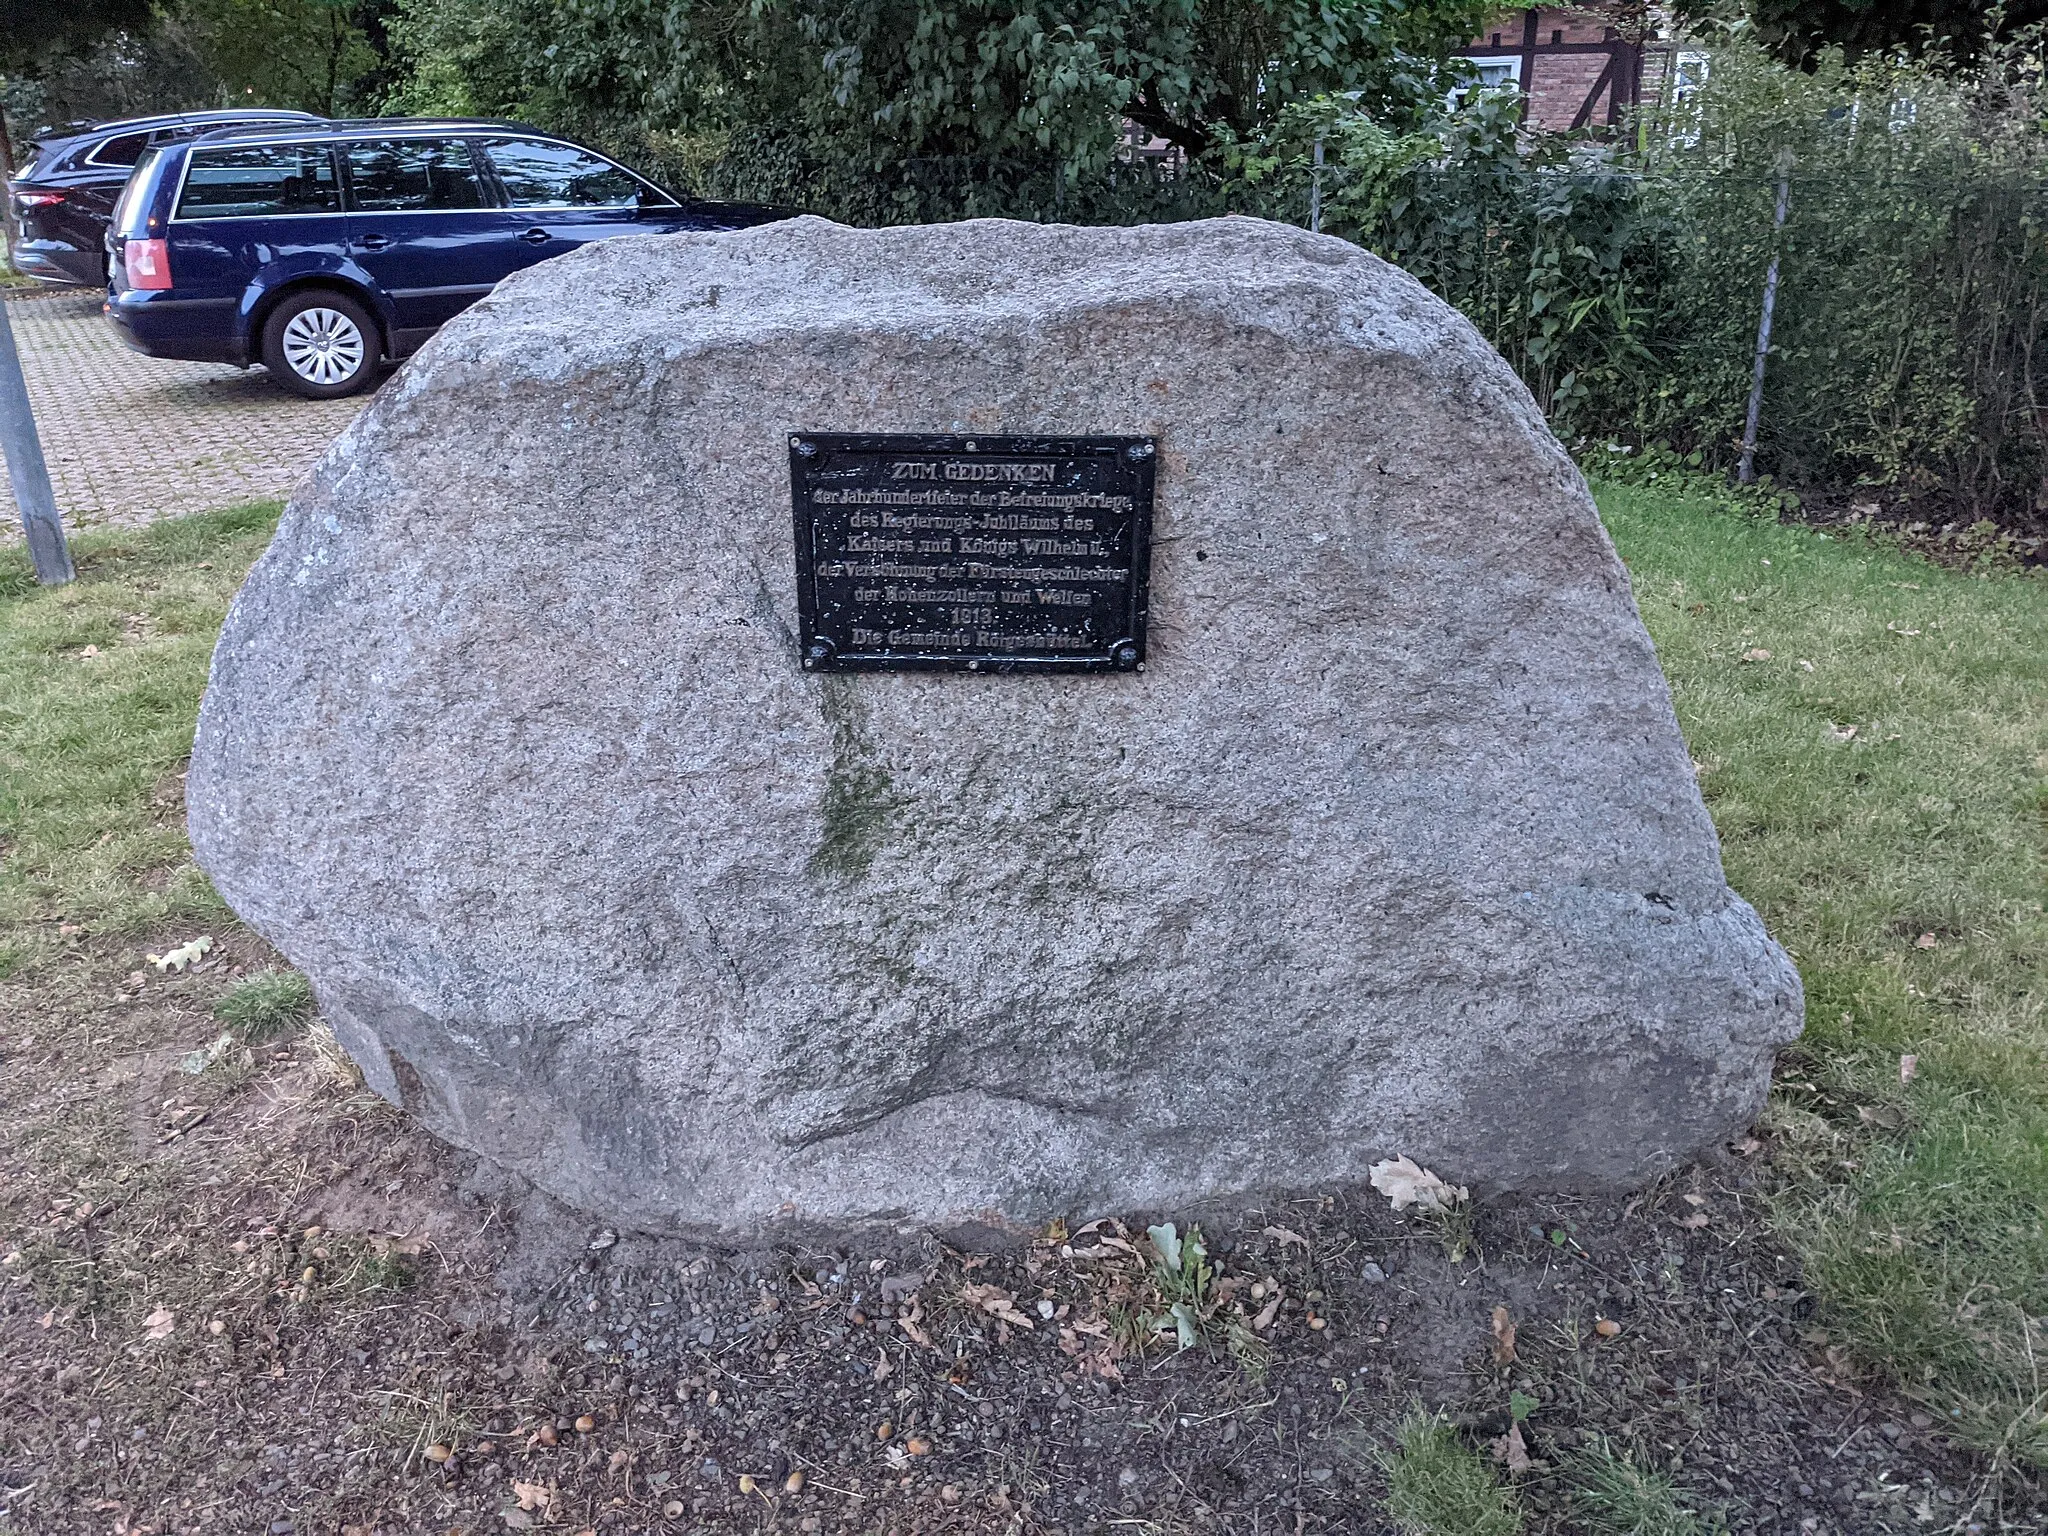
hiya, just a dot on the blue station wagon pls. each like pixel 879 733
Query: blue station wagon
pixel 320 252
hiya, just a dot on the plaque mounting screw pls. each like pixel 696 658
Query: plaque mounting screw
pixel 1138 451
pixel 808 450
pixel 1125 655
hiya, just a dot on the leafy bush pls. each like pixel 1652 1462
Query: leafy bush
pixel 1623 278
pixel 1619 274
pixel 1044 85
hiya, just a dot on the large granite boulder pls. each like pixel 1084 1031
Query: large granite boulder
pixel 1393 847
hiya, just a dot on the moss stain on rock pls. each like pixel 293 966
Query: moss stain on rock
pixel 860 800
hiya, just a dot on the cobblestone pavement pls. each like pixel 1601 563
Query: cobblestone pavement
pixel 132 438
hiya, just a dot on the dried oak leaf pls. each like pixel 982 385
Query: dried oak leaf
pixel 1405 1184
pixel 534 1498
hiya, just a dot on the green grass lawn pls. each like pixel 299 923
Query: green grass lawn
pixel 1880 779
pixel 99 686
pixel 1905 867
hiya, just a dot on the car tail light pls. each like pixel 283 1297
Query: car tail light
pixel 148 263
pixel 38 199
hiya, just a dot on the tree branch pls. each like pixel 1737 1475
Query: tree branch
pixel 1149 112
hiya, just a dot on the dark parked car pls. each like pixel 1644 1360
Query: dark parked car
pixel 318 251
pixel 66 194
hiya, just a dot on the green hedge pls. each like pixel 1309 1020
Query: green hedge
pixel 1623 278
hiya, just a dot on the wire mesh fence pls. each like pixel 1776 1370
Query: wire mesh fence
pixel 1907 350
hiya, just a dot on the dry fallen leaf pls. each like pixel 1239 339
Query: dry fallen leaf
pixel 185 954
pixel 1758 654
pixel 997 1302
pixel 160 1323
pixel 535 1498
pixel 1693 1222
pixel 1909 1068
pixel 1503 1337
pixel 1511 1451
pixel 908 1322
pixel 1842 732
pixel 1926 941
pixel 1404 1184
pixel 1286 1236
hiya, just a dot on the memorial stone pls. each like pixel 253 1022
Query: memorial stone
pixel 729 836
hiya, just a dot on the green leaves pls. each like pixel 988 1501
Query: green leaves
pixel 1181 1272
pixel 872 84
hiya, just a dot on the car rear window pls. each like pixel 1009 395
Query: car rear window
pixel 131 209
pixel 259 181
pixel 537 174
pixel 402 175
pixel 125 150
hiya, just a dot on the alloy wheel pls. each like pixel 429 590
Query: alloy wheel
pixel 323 346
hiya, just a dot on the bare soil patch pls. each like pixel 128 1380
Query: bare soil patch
pixel 254 1299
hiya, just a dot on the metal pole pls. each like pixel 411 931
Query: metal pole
pixel 1315 192
pixel 47 547
pixel 1745 468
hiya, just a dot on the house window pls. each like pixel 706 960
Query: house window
pixel 1493 74
pixel 1688 74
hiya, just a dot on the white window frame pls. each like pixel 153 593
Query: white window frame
pixel 1511 63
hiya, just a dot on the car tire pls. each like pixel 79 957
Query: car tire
pixel 321 345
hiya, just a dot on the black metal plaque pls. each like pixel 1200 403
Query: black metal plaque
pixel 981 554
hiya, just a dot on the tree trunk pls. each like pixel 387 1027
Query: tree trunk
pixel 10 225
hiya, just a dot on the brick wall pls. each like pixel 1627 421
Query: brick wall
pixel 1576 67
